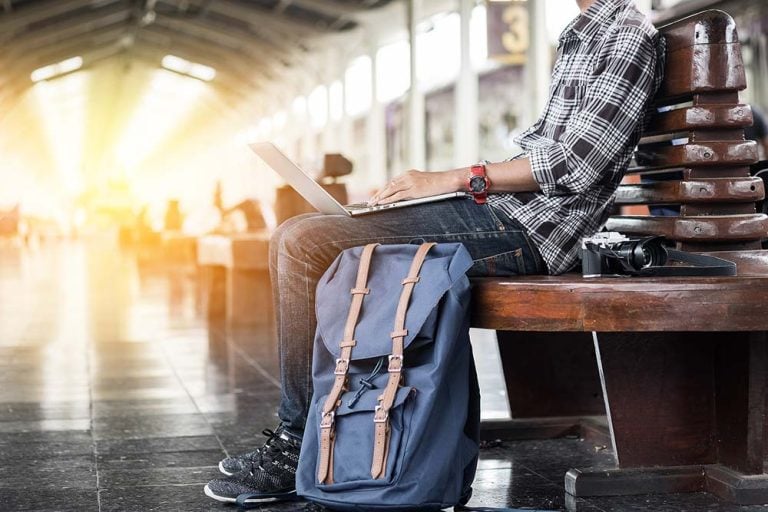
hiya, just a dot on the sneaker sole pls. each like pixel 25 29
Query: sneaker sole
pixel 221 468
pixel 286 496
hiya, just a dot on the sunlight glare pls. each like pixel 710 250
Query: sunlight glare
pixel 62 105
pixel 164 106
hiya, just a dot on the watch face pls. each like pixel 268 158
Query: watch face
pixel 477 184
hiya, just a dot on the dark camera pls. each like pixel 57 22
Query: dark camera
pixel 612 253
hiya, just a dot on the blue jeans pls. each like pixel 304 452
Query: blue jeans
pixel 303 247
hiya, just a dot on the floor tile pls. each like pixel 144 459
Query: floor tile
pixel 50 500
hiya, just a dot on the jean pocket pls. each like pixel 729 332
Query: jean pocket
pixel 510 263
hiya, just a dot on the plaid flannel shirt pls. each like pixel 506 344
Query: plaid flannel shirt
pixel 609 66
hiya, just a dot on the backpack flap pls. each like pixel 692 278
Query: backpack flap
pixel 445 265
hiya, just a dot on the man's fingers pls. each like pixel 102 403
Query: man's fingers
pixel 398 196
pixel 387 192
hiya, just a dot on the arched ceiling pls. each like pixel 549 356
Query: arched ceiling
pixel 248 42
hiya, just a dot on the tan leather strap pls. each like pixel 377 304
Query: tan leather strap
pixel 387 398
pixel 325 463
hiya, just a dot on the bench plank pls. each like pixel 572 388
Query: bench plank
pixel 714 228
pixel 573 303
pixel 702 154
pixel 715 190
pixel 700 117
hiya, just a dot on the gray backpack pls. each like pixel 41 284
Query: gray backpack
pixel 394 419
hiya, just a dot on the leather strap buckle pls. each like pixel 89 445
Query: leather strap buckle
pixel 328 420
pixel 409 280
pixel 395 363
pixel 342 366
pixel 380 415
pixel 360 291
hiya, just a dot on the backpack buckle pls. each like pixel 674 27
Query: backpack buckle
pixel 380 415
pixel 328 419
pixel 342 366
pixel 395 363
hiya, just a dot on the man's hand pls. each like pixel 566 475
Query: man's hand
pixel 415 184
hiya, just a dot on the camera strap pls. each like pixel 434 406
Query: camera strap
pixel 699 265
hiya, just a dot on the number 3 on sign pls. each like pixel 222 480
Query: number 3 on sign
pixel 515 38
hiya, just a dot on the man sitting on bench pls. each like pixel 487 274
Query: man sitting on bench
pixel 541 204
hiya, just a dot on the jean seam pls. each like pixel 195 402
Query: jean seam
pixel 308 385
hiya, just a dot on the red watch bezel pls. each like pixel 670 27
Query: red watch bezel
pixel 475 171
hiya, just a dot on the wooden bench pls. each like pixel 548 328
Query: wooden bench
pixel 675 368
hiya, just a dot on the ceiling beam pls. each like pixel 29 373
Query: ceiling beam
pixel 228 35
pixel 217 54
pixel 39 11
pixel 226 70
pixel 259 25
pixel 21 68
pixel 327 8
pixel 257 17
pixel 31 41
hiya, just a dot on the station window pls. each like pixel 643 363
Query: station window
pixel 358 86
pixel 439 52
pixel 393 71
pixel 317 105
pixel 336 98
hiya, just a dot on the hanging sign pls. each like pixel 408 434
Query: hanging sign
pixel 508 33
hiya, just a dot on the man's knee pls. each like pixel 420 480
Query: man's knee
pixel 285 231
pixel 299 236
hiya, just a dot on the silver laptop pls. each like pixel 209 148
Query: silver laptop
pixel 317 196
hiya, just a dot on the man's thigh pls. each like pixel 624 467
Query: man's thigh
pixel 497 246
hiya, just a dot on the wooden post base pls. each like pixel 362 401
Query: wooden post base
pixel 593 428
pixel 736 487
pixel 723 482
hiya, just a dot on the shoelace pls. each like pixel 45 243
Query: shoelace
pixel 274 445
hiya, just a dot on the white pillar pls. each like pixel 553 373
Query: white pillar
pixel 415 106
pixel 376 131
pixel 345 124
pixel 466 149
pixel 330 130
pixel 538 65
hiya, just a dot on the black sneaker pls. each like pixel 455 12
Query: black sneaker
pixel 268 476
pixel 233 465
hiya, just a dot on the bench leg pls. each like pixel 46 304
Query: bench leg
pixel 552 385
pixel 212 280
pixel 249 299
pixel 687 412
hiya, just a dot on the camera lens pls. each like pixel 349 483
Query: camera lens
pixel 654 253
pixel 639 254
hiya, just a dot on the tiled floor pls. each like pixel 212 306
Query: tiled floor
pixel 116 396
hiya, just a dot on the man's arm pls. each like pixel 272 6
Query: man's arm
pixel 512 176
pixel 594 137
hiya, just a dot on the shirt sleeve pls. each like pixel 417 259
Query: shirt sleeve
pixel 599 133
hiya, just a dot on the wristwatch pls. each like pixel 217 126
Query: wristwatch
pixel 478 183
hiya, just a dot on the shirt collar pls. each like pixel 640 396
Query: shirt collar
pixel 592 21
